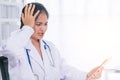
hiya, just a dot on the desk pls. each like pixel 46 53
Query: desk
pixel 112 74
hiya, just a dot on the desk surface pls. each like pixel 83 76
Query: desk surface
pixel 112 74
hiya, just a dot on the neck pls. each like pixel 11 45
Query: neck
pixel 35 41
pixel 36 44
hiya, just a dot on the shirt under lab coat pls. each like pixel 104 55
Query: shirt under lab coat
pixel 19 67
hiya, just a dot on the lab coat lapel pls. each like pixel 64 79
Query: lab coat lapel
pixel 43 52
pixel 46 56
pixel 34 54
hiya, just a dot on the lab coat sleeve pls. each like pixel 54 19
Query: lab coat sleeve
pixel 71 73
pixel 19 39
pixel 14 46
pixel 67 72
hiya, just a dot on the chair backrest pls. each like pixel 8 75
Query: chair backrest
pixel 4 68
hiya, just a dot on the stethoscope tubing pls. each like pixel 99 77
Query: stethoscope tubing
pixel 48 51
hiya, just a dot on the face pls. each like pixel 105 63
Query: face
pixel 40 26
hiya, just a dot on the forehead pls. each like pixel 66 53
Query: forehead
pixel 42 17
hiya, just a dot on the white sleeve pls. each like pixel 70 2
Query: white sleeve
pixel 71 73
pixel 67 72
pixel 14 47
pixel 19 39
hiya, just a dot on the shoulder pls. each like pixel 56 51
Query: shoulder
pixel 53 51
pixel 24 29
pixel 51 45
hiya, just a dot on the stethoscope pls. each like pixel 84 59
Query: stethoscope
pixel 48 51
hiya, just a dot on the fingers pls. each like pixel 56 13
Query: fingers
pixel 105 61
pixel 26 10
pixel 98 73
pixel 29 9
pixel 27 17
pixel 95 73
pixel 32 10
pixel 36 14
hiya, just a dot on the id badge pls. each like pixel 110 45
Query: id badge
pixel 36 77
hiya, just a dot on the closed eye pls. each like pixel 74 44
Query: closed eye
pixel 38 24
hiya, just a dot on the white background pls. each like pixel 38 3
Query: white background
pixel 85 31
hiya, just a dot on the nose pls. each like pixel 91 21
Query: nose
pixel 42 27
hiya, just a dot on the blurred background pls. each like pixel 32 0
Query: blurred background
pixel 86 32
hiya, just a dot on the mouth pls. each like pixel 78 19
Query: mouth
pixel 40 34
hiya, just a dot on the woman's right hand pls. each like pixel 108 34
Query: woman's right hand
pixel 27 17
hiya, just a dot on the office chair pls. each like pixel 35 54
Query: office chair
pixel 4 68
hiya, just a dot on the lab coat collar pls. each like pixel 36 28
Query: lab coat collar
pixel 34 54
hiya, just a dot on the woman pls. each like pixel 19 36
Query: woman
pixel 35 58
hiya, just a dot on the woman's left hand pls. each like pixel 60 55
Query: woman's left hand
pixel 95 73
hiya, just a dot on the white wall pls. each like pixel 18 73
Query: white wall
pixel 85 31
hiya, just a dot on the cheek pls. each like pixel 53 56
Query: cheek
pixel 45 28
pixel 36 28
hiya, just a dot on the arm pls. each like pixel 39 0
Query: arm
pixel 67 72
pixel 19 39
pixel 71 73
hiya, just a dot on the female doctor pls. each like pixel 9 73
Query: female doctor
pixel 35 58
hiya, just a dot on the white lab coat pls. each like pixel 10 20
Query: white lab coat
pixel 20 68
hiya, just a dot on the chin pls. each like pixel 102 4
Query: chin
pixel 40 37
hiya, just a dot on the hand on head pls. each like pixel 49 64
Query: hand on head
pixel 27 17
